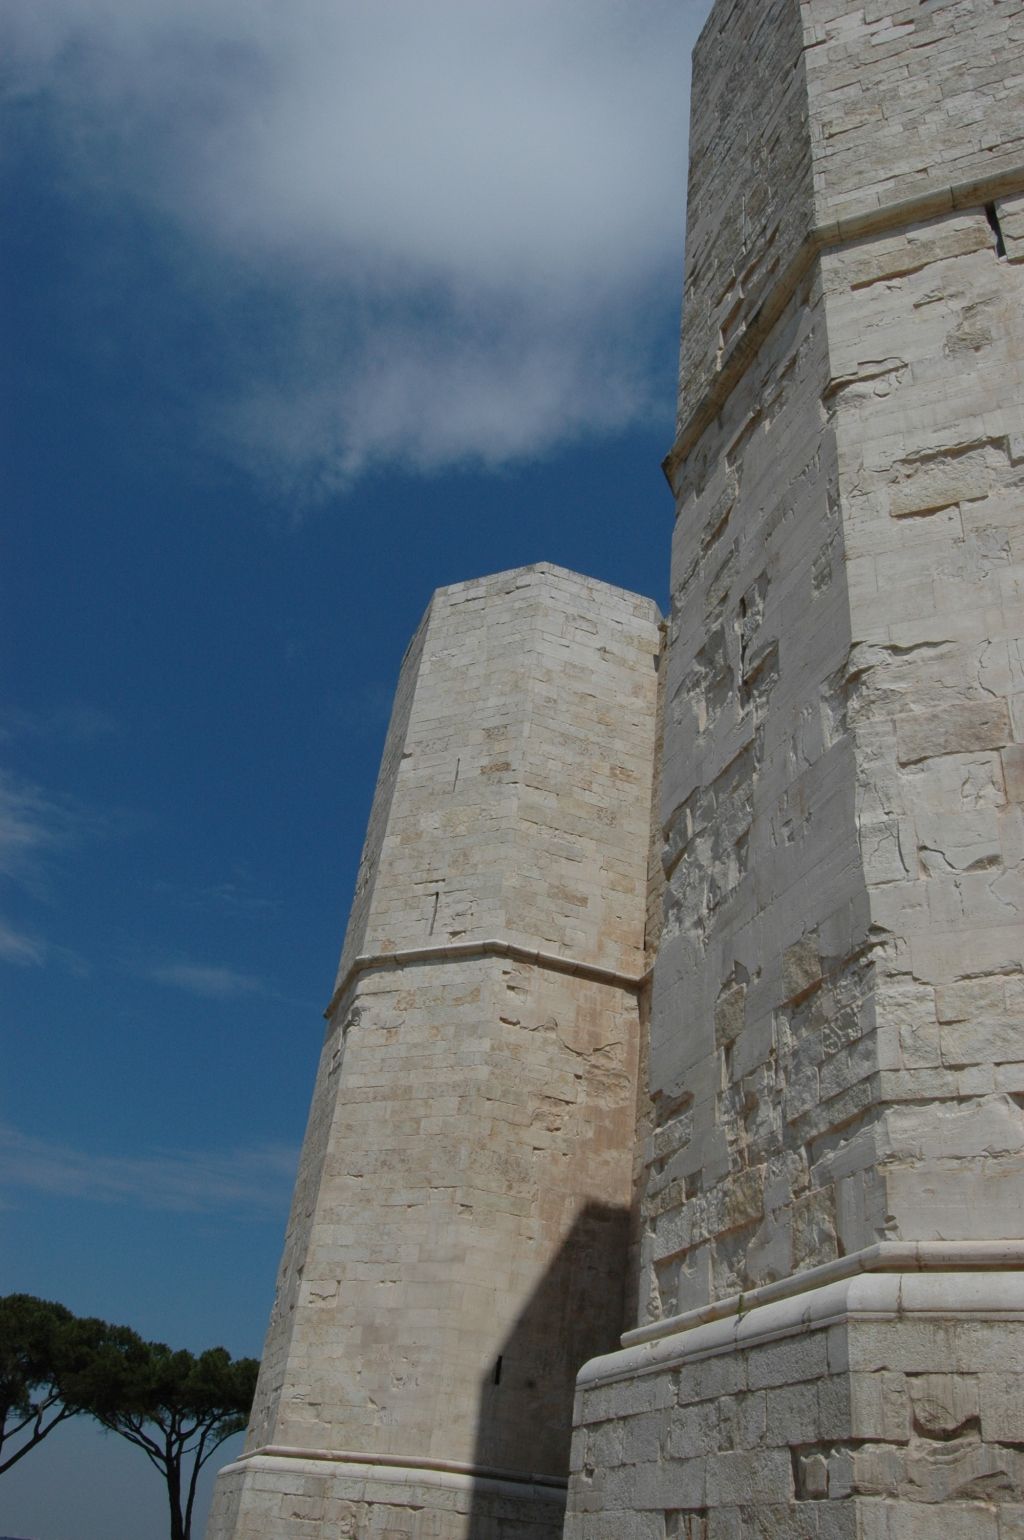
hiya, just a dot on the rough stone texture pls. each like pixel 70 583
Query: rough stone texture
pixel 836 1054
pixel 457 1243
pixel 881 1408
pixel 288 1496
pixel 765 909
pixel 835 1038
pixel 750 198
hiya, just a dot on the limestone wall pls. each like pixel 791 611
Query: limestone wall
pixel 926 333
pixel 458 1242
pixel 880 1408
pixel 830 1316
pixel 911 99
pixel 760 843
pixel 840 805
pixel 809 120
pixel 750 198
pixel 522 791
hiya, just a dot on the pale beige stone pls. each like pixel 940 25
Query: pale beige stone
pixel 844 915
pixel 458 1239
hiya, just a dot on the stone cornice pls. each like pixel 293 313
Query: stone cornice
pixel 884 1256
pixel 456 1473
pixel 989 1286
pixel 825 237
pixel 461 951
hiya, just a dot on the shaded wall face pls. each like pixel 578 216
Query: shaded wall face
pixel 750 193
pixel 474 1121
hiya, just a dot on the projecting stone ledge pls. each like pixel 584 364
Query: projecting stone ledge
pixel 875 1397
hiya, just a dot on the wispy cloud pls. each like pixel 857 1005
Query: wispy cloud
pixel 75 723
pixel 454 216
pixel 210 983
pixel 35 826
pixel 17 947
pixel 233 896
pixel 32 825
pixel 251 1182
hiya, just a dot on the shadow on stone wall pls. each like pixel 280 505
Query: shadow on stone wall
pixel 524 1417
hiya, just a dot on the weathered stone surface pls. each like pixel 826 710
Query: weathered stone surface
pixel 842 838
pixel 837 1054
pixel 457 1244
pixel 874 1406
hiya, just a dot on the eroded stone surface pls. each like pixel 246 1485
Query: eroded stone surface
pixel 458 1239
pixel 837 1054
pixel 841 812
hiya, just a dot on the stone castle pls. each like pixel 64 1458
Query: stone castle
pixel 665 1170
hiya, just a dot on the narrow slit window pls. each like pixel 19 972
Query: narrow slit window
pixel 997 230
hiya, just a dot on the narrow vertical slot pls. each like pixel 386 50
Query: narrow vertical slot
pixel 996 228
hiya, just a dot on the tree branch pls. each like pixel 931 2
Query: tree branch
pixel 37 1436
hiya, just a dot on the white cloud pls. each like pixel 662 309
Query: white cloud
pixel 35 826
pixel 462 209
pixel 245 1181
pixel 32 825
pixel 19 948
pixel 77 722
pixel 210 983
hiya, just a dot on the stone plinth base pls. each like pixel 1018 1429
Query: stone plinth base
pixel 883 1405
pixel 284 1494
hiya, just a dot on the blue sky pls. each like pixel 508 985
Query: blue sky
pixel 307 309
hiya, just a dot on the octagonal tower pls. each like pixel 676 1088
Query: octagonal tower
pixel 456 1247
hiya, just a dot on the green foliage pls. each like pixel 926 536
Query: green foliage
pixel 176 1407
pixel 44 1350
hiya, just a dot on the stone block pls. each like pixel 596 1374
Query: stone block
pixel 1002 1407
pixel 798 1358
pixel 962 729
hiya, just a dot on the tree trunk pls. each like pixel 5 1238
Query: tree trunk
pixel 179 1529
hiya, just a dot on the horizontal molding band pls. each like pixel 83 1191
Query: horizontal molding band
pixel 883 1257
pixel 964 1294
pixel 398 1465
pixel 825 237
pixel 460 951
